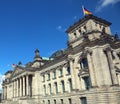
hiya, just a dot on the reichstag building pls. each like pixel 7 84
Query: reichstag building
pixel 86 72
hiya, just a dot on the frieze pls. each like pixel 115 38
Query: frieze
pixel 17 71
pixel 102 41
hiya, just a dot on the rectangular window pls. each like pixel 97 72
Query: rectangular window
pixel 70 84
pixel 63 86
pixel 56 87
pixel 54 73
pixel 83 100
pixel 68 70
pixel 61 72
pixel 84 63
pixel 48 76
pixel 87 82
pixel 43 78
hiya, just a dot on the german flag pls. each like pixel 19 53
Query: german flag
pixel 86 12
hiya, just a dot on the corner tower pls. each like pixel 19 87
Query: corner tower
pixel 88 27
pixel 92 38
pixel 96 54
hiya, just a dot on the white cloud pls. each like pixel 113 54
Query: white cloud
pixel 75 17
pixel 2 77
pixel 104 3
pixel 60 28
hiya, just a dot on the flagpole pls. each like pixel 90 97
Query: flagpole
pixel 83 10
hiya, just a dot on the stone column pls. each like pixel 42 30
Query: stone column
pixel 3 93
pixel 111 67
pixel 14 88
pixel 20 86
pixel 23 85
pixel 73 74
pixel 27 85
pixel 6 92
pixel 17 87
pixel 91 68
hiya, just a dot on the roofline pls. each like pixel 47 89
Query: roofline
pixel 80 21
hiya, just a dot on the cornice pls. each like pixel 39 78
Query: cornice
pixel 84 19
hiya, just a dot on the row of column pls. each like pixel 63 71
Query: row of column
pixel 21 86
pixel 58 87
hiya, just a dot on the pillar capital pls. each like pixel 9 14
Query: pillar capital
pixel 70 58
pixel 107 49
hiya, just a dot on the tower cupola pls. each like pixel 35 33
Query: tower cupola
pixel 37 55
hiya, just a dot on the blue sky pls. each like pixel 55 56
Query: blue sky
pixel 29 24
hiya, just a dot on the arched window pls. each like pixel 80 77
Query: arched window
pixel 70 101
pixel 54 101
pixel 48 101
pixel 50 90
pixel 75 35
pixel 61 101
pixel 80 32
pixel 44 89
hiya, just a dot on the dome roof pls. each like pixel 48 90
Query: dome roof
pixel 57 54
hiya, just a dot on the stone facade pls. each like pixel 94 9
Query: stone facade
pixel 87 72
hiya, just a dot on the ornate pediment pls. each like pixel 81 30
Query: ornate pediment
pixel 17 71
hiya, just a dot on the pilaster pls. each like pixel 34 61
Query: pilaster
pixel 27 85
pixel 23 85
pixel 3 93
pixel 16 87
pixel 20 86
pixel 91 68
pixel 71 63
pixel 111 66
